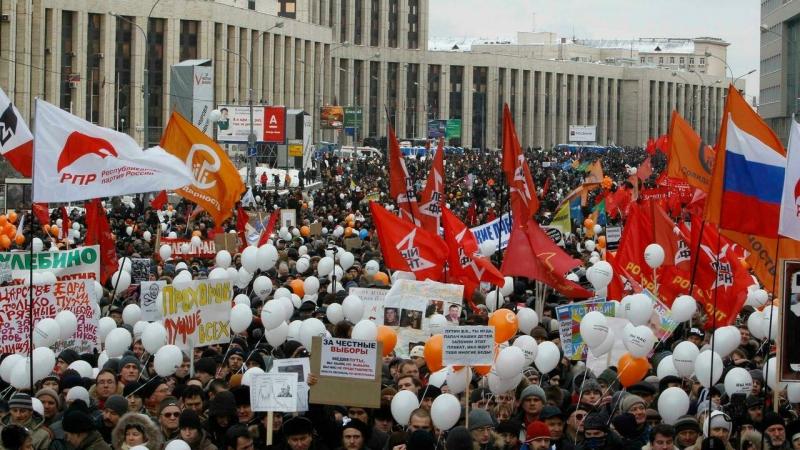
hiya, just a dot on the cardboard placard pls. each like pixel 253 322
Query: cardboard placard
pixel 316 228
pixel 227 241
pixel 348 358
pixel 184 249
pixel 788 347
pixel 351 243
pixel 468 346
pixel 82 263
pixel 288 219
pixel 330 390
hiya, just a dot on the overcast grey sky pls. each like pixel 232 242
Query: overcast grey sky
pixel 736 21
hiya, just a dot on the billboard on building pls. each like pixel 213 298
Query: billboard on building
pixel 453 129
pixel 583 133
pixel 234 126
pixel 331 117
pixel 274 124
pixel 192 91
pixel 353 117
pixel 437 128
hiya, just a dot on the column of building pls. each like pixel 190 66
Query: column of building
pixel 402 99
pixel 492 101
pixel 530 99
pixel 108 89
pixel 467 106
pixel 612 122
pixel 540 94
pixel 562 114
pixel 602 122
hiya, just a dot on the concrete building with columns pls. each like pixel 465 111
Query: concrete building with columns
pixel 88 56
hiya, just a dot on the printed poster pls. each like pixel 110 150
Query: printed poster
pixel 373 300
pixel 409 301
pixel 273 392
pixel 569 325
pixel 197 315
pixel 150 299
pixel 82 263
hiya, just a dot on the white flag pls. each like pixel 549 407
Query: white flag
pixel 790 199
pixel 76 160
pixel 16 142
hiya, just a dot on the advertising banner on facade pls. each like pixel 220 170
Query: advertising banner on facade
pixel 274 124
pixel 331 117
pixel 234 126
pixel 437 128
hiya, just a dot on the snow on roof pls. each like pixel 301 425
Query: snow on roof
pixel 461 44
pixel 644 45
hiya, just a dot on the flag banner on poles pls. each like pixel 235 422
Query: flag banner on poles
pixel 16 141
pixel 77 160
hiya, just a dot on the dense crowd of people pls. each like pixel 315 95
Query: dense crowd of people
pixel 127 406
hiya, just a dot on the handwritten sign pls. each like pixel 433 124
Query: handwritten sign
pixel 48 300
pixel 348 358
pixel 81 263
pixel 468 346
pixel 273 392
pixel 150 299
pixel 197 313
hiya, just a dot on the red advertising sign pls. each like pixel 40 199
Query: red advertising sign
pixel 275 124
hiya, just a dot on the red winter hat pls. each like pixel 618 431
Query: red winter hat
pixel 535 430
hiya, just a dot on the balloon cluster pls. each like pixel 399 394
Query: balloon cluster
pixel 8 231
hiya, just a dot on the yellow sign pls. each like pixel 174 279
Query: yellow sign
pixel 295 149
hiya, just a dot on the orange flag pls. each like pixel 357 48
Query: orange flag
pixel 690 158
pixel 217 184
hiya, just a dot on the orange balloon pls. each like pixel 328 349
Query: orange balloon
pixel 3 220
pixel 588 223
pixel 54 230
pixel 433 353
pixel 381 277
pixel 5 241
pixel 12 217
pixel 10 229
pixel 298 288
pixel 631 370
pixel 387 337
pixel 20 239
pixel 348 232
pixel 482 370
pixel 601 241
pixel 504 323
pixel 305 231
pixel 350 218
pixel 350 223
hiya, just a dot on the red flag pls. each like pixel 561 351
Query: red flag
pixel 622 283
pixel 464 261
pixel 66 224
pixel 718 269
pixel 267 231
pixel 42 212
pixel 651 146
pixel 524 203
pixel 546 187
pixel 401 185
pixel 242 218
pixel 432 198
pixel 98 232
pixel 662 144
pixel 159 201
pixel 407 247
pixel 532 254
pixel 645 169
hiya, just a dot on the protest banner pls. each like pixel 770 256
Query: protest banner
pixel 372 299
pixel 273 392
pixel 141 268
pixel 349 372
pixel 81 263
pixel 228 241
pixel 661 322
pixel 408 301
pixel 196 313
pixel 184 249
pixel 498 228
pixel 150 299
pixel 788 349
pixel 569 325
pixel 613 235
pixel 48 300
pixel 468 346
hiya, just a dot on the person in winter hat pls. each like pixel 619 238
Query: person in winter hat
pixel 192 431
pixel 15 437
pixel 79 429
pixel 531 402
pixel 136 429
pixel 481 428
pixel 537 436
pixel 20 408
pixel 458 438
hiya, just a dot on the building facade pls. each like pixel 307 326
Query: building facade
pixel 88 56
pixel 779 93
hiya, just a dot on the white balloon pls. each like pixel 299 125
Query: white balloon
pixel 44 360
pixel 98 291
pixel 154 336
pixel 672 403
pixel 247 378
pixel 241 299
pixel 725 340
pixel 196 241
pixel 605 347
pixel 654 255
pixel 67 323
pixel 302 265
pixel 438 378
pixel 126 264
pixel 508 287
pixel 117 342
pixel 288 307
pixel 754 325
pixel 262 286
pixel 494 299
pixel 548 357
pixel 353 308
pixel 138 328
pixel 104 326
pixel 325 266
pixel 371 267
pixel 457 379
pixel 37 245
pixel 131 314
pixel 594 328
pixel 757 298
pixel 267 256
pixel 311 285
pixel 223 259
pixel 250 258
pixel 445 411
pixel 365 330
pixel 218 273
pixel 640 341
pixel 177 444
pixel 147 235
pixel 488 247
pixel 770 371
pixel 403 404
pixel 21 375
pixel 706 374
pixel 527 319
pixel 167 359
pixel 602 273
pixel 683 308
pixel 683 358
pixel 528 346
pixel 793 392
pixel 182 280
pixel 639 309
pixel 272 314
pixel 121 280
pixel 509 362
pixel 310 328
pixel 436 324
pixel 8 365
pixel 666 368
pixel 738 381
pixel 335 313
pixel 590 245
pixel 346 260
pixel 243 278
pixel 241 317
pixel 277 335
pixel 83 368
pixel 771 330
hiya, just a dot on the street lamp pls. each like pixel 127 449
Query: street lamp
pixel 251 138
pixel 743 75
pixel 709 55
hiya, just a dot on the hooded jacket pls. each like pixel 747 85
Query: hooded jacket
pixel 40 434
pixel 151 433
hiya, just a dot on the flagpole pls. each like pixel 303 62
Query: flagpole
pixel 30 263
pixel 771 315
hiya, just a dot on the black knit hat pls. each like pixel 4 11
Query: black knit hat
pixel 190 419
pixel 206 365
pixel 242 395
pixel 13 437
pixel 77 418
pixel 132 388
pixel 296 426
pixel 358 425
pixel 421 440
pixel 69 356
